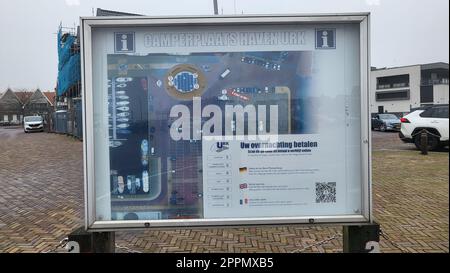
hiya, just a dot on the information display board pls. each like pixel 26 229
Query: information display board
pixel 242 120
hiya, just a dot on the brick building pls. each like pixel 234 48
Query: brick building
pixel 15 105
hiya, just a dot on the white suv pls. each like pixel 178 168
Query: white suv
pixel 433 119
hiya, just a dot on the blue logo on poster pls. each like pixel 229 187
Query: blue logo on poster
pixel 326 38
pixel 124 42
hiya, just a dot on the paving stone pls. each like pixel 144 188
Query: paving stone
pixel 41 201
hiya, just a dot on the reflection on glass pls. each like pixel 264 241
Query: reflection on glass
pixel 162 107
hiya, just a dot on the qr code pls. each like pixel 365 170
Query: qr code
pixel 325 192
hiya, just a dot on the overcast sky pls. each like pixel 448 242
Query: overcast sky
pixel 404 32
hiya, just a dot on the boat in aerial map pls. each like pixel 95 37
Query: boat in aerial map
pixel 123 114
pixel 123 108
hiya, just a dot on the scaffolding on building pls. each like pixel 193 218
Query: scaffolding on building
pixel 68 89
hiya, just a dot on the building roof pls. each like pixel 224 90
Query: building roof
pixel 6 91
pixel 38 97
pixel 50 96
pixel 105 12
pixel 8 96
pixel 440 65
pixel 23 96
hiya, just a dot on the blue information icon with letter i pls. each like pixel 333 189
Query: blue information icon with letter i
pixel 326 38
pixel 124 42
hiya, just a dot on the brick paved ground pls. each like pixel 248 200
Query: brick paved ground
pixel 41 202
pixel 389 141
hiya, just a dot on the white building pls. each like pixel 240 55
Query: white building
pixel 398 89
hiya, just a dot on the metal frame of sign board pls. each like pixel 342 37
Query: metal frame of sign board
pixel 88 23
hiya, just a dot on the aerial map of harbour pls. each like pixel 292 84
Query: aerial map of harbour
pixel 154 176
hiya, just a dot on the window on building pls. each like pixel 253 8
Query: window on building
pixel 392 95
pixel 434 76
pixel 426 94
pixel 397 81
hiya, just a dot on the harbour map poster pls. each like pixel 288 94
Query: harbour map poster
pixel 227 122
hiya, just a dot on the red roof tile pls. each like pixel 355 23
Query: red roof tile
pixel 50 96
pixel 23 96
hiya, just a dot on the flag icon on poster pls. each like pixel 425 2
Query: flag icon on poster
pixel 243 170
pixel 243 201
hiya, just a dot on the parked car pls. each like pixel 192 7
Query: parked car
pixel 225 73
pixel 386 122
pixel 247 60
pixel 433 119
pixel 33 123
